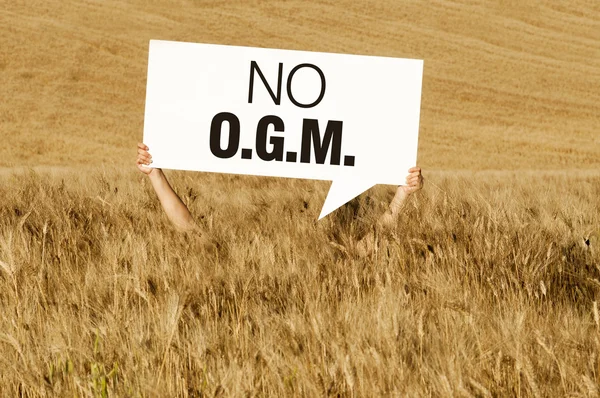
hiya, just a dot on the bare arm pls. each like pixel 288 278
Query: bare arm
pixel 173 206
pixel 392 213
pixel 414 182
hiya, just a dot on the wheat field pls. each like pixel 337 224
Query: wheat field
pixel 487 286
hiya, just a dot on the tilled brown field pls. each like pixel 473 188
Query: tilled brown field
pixel 505 85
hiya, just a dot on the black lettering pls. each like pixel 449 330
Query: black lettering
pixel 291 157
pixel 261 139
pixel 247 153
pixel 311 133
pixel 289 85
pixel 276 98
pixel 215 135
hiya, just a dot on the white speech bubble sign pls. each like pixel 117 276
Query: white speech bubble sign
pixel 351 119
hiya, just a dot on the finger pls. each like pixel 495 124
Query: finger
pixel 414 169
pixel 144 159
pixel 143 146
pixel 145 156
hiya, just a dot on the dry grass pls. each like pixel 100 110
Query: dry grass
pixel 484 288
pixel 488 286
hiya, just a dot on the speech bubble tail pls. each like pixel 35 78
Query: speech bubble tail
pixel 341 192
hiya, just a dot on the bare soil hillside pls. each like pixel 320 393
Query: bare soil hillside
pixel 506 86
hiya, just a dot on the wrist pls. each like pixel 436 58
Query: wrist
pixel 398 200
pixel 402 192
pixel 156 174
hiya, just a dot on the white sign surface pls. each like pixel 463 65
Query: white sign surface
pixel 347 118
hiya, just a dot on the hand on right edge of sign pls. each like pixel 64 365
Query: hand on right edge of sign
pixel 143 159
pixel 414 181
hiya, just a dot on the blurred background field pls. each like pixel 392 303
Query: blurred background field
pixel 488 285
pixel 506 84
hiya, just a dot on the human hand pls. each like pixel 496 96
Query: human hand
pixel 414 181
pixel 143 159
